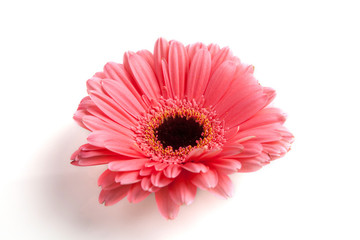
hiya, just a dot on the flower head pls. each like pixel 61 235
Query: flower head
pixel 176 120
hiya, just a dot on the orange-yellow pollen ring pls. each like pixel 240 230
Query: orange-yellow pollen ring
pixel 159 118
pixel 211 129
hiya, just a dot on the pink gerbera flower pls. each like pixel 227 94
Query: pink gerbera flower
pixel 176 120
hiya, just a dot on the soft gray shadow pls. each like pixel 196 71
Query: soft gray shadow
pixel 65 196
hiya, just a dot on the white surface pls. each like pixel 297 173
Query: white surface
pixel 307 50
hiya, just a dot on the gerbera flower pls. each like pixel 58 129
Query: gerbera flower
pixel 176 120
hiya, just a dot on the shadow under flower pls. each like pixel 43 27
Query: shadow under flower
pixel 65 197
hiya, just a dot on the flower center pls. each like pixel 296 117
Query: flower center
pixel 172 128
pixel 179 132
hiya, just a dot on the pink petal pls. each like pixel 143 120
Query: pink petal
pixel 160 166
pixel 241 140
pixel 122 95
pixel 195 154
pixel 178 67
pixel 112 109
pixel 144 76
pixel 100 75
pixel 106 178
pixel 82 110
pixel 94 84
pixel 251 149
pixel 96 124
pixel 117 72
pixel 78 115
pixel 150 164
pixel 250 166
pixel 96 153
pixel 264 117
pixel 146 171
pixel 101 137
pixel 199 73
pixel 166 79
pixel 224 188
pixel 166 92
pixel 158 179
pixel 74 156
pixel 226 165
pixel 117 143
pixel 89 147
pixel 213 50
pixel 203 155
pixel 110 197
pixel 243 85
pixel 219 83
pixel 167 207
pixel 245 109
pixel 94 111
pixel 276 149
pixel 182 192
pixel 206 180
pixel 193 49
pixel 112 186
pixel 220 57
pixel 122 148
pixel 148 56
pixel 136 193
pixel 127 165
pixel 266 133
pixel 92 161
pixel 235 95
pixel 195 167
pixel 127 177
pixel 231 150
pixel 90 151
pixel 161 50
pixel 172 171
pixel 271 93
pixel 146 185
pixel 230 133
pixel 99 160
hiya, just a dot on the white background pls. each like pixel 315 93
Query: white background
pixel 307 50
